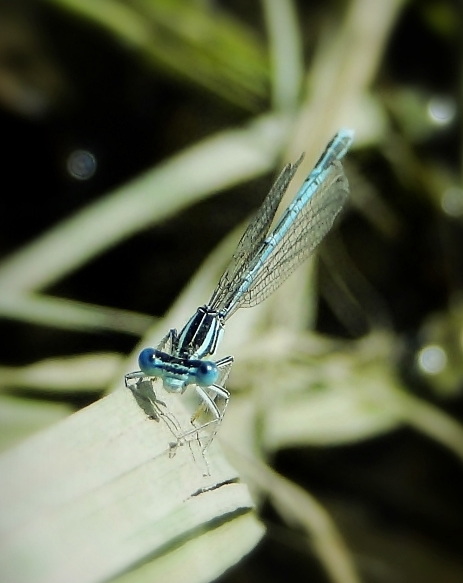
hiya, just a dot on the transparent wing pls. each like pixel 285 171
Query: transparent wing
pixel 309 228
pixel 254 235
pixel 310 220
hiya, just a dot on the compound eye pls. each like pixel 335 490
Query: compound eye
pixel 207 373
pixel 147 361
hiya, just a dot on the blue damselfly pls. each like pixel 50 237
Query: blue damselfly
pixel 263 259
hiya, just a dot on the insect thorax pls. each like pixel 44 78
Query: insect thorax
pixel 201 334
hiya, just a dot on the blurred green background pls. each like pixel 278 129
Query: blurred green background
pixel 138 134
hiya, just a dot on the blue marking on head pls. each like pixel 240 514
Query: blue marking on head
pixel 206 373
pixel 149 363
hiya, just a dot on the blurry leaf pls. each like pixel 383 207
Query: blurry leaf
pixel 409 106
pixel 188 41
pixel 286 53
pixel 82 373
pixel 303 512
pixel 340 397
pixel 216 163
pixel 341 73
pixel 31 81
pixel 348 404
pixel 433 422
pixel 68 314
pixel 20 418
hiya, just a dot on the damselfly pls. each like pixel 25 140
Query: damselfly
pixel 263 259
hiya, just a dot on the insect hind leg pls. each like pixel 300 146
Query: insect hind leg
pixel 209 406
